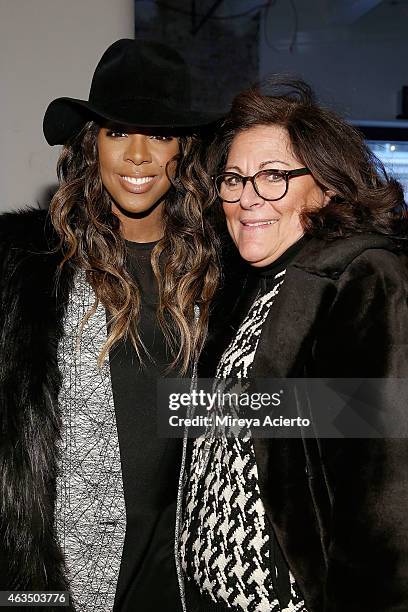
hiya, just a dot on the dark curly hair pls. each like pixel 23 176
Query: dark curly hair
pixel 184 260
pixel 366 199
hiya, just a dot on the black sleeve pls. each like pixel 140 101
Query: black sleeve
pixel 366 335
pixel 29 418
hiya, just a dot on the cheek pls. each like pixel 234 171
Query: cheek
pixel 106 160
pixel 229 213
pixel 291 209
pixel 233 224
pixel 104 173
pixel 170 167
pixel 311 198
pixel 167 161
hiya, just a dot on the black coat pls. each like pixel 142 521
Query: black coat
pixel 31 315
pixel 339 508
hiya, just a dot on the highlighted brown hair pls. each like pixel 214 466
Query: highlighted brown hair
pixel 184 261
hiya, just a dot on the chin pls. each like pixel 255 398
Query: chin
pixel 253 256
pixel 136 207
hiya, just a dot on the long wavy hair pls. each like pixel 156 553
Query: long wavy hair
pixel 185 260
pixel 365 198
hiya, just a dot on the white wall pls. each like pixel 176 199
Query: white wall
pixel 48 48
pixel 357 61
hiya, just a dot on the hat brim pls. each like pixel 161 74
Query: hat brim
pixel 65 117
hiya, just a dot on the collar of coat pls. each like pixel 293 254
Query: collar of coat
pixel 311 285
pixel 330 258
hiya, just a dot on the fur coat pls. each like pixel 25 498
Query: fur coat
pixel 31 316
pixel 339 507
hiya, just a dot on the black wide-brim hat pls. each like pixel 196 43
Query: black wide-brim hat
pixel 137 83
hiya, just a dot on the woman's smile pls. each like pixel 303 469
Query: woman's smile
pixel 257 225
pixel 137 184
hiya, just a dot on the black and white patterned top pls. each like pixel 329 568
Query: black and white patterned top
pixel 225 544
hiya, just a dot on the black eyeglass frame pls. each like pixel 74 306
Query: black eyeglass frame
pixel 287 174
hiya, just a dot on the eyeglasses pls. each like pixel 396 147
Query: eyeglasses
pixel 269 184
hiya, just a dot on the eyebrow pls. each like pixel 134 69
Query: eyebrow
pixel 261 165
pixel 111 125
pixel 273 161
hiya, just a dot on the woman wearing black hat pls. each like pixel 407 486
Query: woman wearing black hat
pixel 98 301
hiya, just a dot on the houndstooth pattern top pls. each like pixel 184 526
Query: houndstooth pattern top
pixel 225 544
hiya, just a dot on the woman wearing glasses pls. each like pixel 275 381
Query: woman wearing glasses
pixel 307 523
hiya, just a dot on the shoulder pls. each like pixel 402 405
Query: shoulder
pixel 355 255
pixel 27 250
pixel 369 278
pixel 362 330
pixel 28 229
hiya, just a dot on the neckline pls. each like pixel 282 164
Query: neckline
pixel 140 246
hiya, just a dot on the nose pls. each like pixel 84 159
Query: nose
pixel 249 197
pixel 138 151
